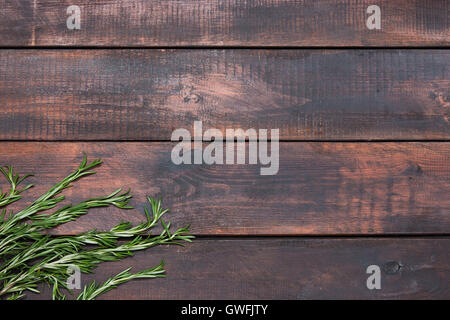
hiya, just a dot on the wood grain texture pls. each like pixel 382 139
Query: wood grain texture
pixel 321 188
pixel 224 23
pixel 146 94
pixel 287 269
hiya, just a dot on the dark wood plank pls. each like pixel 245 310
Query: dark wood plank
pixel 287 269
pixel 146 94
pixel 321 188
pixel 224 23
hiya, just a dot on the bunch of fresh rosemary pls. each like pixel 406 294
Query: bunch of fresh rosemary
pixel 29 256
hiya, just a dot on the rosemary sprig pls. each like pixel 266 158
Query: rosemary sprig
pixel 31 257
pixel 63 215
pixel 14 181
pixel 93 290
pixel 48 200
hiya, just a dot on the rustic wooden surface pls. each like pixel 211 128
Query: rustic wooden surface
pixel 363 116
pixel 146 94
pixel 224 23
pixel 288 269
pixel 321 188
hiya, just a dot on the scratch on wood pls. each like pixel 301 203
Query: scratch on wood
pixel 33 27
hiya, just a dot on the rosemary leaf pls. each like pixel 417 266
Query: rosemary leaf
pixel 30 257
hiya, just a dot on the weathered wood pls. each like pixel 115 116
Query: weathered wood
pixel 287 269
pixel 224 23
pixel 146 94
pixel 321 188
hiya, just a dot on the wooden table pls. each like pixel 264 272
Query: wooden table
pixel 363 117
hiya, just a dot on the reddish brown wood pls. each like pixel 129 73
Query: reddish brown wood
pixel 146 94
pixel 287 269
pixel 321 188
pixel 224 23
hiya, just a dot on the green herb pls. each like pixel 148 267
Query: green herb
pixel 29 257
